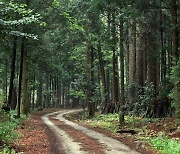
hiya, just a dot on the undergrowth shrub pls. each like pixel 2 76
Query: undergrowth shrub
pixel 175 92
pixel 8 124
pixel 143 99
pixel 1 100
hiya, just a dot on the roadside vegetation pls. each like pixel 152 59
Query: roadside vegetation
pixel 8 126
pixel 158 134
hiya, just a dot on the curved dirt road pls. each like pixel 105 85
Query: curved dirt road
pixel 107 145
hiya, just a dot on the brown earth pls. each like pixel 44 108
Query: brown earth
pixel 89 144
pixel 37 138
pixel 130 141
pixel 168 125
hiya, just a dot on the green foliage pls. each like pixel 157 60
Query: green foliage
pixel 166 145
pixel 143 99
pixel 6 131
pixel 109 121
pixel 14 16
pixel 1 100
pixel 7 150
pixel 77 94
pixel 8 124
pixel 4 116
pixel 166 88
pixel 175 93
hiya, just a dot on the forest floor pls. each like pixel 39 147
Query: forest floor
pixel 48 132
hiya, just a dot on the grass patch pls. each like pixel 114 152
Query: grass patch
pixel 7 150
pixel 8 133
pixel 110 122
pixel 166 145
pixel 8 126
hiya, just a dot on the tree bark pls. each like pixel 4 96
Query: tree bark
pixel 13 65
pixel 14 99
pixel 92 82
pixel 25 100
pixel 58 91
pixel 39 93
pixel 47 90
pixel 175 38
pixel 5 77
pixel 115 66
pixel 89 79
pixel 63 91
pixel 132 59
pixel 139 57
pixel 103 77
pixel 20 77
pixel 33 91
pixel 121 115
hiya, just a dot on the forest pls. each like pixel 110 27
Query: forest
pixel 112 57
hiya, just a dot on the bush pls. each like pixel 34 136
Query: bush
pixel 175 92
pixel 143 99
pixel 8 124
pixel 7 133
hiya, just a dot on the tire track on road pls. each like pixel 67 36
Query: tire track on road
pixel 110 145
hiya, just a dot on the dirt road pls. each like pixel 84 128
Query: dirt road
pixel 76 139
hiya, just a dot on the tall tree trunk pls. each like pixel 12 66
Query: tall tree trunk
pixel 14 99
pixel 127 58
pixel 33 92
pixel 107 74
pixel 115 66
pixel 39 93
pixel 152 54
pixel 144 60
pixel 89 79
pixel 175 38
pixel 121 115
pixel 169 55
pixel 107 110
pixel 152 69
pixel 139 57
pixel 13 65
pixel 50 89
pixel 132 59
pixel 66 97
pixel 158 73
pixel 5 77
pixel 58 91
pixel 55 91
pixel 20 76
pixel 103 77
pixel 25 101
pixel 163 51
pixel 47 90
pixel 63 91
pixel 92 82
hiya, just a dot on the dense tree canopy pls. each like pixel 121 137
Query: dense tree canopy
pixel 116 55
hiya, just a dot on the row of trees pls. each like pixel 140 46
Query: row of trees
pixel 114 54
